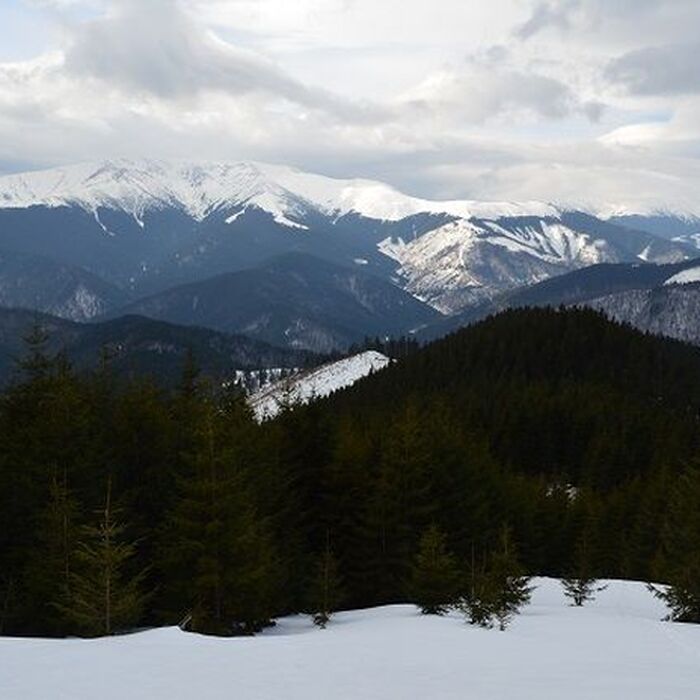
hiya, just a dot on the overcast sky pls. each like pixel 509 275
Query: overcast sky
pixel 588 101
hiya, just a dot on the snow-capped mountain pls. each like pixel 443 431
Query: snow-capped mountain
pixel 659 299
pixel 315 384
pixel 681 226
pixel 200 189
pixel 145 226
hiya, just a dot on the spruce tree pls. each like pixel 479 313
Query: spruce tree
pixel 580 586
pixel 53 561
pixel 679 563
pixel 220 564
pixel 510 587
pixel 499 589
pixel 36 362
pixel 104 597
pixel 326 589
pixel 435 579
pixel 476 604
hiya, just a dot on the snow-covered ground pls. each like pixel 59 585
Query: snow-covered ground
pixel 614 649
pixel 315 383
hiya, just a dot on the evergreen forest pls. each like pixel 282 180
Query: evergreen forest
pixel 125 503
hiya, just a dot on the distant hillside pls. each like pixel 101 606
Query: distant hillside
pixel 141 346
pixel 598 286
pixel 295 301
pixel 41 283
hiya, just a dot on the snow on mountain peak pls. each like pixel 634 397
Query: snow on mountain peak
pixel 199 189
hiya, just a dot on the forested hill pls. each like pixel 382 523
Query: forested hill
pixel 575 435
pixel 140 346
pixel 565 393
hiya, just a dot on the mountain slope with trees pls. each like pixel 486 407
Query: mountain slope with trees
pixel 558 432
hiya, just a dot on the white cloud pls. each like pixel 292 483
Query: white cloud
pixel 505 99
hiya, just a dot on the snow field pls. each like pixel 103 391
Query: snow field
pixel 616 648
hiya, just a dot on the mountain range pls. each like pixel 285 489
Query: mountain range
pixel 144 347
pixel 291 258
pixel 659 299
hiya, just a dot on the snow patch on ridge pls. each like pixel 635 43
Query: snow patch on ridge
pixel 314 384
pixel 685 277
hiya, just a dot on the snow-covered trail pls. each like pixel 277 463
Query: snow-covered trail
pixel 615 649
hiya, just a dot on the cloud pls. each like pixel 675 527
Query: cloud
pixel 507 99
pixel 489 86
pixel 159 49
pixel 658 70
pixel 546 15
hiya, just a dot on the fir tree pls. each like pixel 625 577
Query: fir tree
pixel 680 557
pixel 326 589
pixel 510 588
pixel 435 579
pixel 220 560
pixel 36 362
pixel 476 604
pixel 499 589
pixel 104 598
pixel 580 586
pixel 52 566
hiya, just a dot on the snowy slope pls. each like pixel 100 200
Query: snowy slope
pixel 615 649
pixel 685 277
pixel 315 383
pixel 201 188
pixel 462 262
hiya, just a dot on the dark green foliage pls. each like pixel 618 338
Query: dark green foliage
pixel 498 588
pixel 580 584
pixel 325 588
pixel 219 552
pixel 54 561
pixel 509 587
pixel 679 560
pixel 435 581
pixel 570 428
pixel 102 597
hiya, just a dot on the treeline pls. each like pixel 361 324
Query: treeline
pixel 123 505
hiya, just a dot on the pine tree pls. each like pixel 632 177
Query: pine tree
pixel 53 561
pixel 510 587
pixel 435 580
pixel 580 586
pixel 325 590
pixel 36 362
pixel 219 558
pixel 476 604
pixel 104 597
pixel 499 589
pixel 680 557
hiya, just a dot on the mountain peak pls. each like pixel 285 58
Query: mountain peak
pixel 199 188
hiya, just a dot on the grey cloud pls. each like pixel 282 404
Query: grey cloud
pixel 660 70
pixel 545 15
pixel 156 47
pixel 613 19
pixel 489 87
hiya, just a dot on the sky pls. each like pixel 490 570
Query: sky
pixel 594 102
